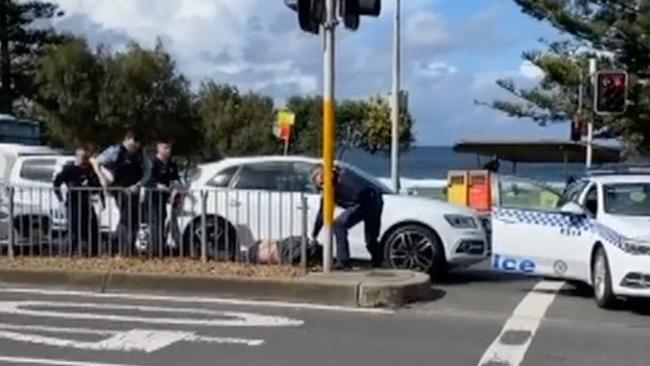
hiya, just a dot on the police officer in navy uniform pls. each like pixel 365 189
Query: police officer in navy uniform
pixel 362 202
pixel 164 176
pixel 126 168
pixel 82 183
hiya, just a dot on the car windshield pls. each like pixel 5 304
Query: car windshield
pixel 627 199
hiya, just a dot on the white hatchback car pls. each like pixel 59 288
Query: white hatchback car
pixel 261 198
pixel 599 235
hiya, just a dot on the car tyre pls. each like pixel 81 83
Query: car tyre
pixel 415 247
pixel 221 239
pixel 602 281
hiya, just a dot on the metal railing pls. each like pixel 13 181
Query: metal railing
pixel 253 227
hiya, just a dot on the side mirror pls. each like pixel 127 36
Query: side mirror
pixel 573 208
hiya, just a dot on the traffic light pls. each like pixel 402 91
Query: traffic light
pixel 311 13
pixel 611 92
pixel 578 129
pixel 352 10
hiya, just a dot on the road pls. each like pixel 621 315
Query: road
pixel 475 318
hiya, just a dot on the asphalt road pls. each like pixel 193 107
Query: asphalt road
pixel 475 318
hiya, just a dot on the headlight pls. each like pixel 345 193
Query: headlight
pixel 636 248
pixel 461 221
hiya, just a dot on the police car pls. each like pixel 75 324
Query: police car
pixel 598 234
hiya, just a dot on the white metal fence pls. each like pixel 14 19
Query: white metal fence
pixel 217 225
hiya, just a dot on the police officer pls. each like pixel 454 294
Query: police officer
pixel 127 168
pixel 82 183
pixel 164 176
pixel 362 202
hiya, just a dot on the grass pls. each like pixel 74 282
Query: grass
pixel 173 267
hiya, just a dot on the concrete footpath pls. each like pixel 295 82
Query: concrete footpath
pixel 366 289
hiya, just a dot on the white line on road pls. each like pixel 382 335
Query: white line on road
pixel 133 340
pixel 509 348
pixel 45 361
pixel 194 300
pixel 216 317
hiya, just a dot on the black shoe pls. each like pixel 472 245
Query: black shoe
pixel 377 264
pixel 343 266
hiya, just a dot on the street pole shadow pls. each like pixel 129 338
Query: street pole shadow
pixel 464 276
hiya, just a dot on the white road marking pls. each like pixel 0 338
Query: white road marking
pixel 228 318
pixel 134 340
pixel 194 300
pixel 51 362
pixel 523 324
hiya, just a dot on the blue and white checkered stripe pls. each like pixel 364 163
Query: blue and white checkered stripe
pixel 562 220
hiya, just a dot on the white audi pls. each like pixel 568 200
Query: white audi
pixel 598 234
pixel 241 201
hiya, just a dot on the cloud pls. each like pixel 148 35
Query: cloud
pixel 256 45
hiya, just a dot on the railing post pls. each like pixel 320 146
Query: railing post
pixel 304 238
pixel 12 236
pixel 204 224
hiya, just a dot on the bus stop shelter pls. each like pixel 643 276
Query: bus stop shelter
pixel 538 151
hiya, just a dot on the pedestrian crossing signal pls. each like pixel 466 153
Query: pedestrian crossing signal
pixel 611 92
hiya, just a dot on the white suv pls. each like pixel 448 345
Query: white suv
pixel 599 234
pixel 258 198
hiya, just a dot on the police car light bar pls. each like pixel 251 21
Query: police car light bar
pixel 620 170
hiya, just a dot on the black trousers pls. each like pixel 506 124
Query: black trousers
pixel 83 224
pixel 369 212
pixel 155 206
pixel 129 223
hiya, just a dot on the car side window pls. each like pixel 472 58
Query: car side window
pixel 38 170
pixel 301 181
pixel 272 176
pixel 223 178
pixel 515 192
pixel 591 200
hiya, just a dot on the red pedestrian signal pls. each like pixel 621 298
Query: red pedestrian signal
pixel 611 92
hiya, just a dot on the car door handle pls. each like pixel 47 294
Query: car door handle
pixel 235 203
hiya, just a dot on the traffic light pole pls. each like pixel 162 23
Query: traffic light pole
pixel 395 110
pixel 328 131
pixel 590 125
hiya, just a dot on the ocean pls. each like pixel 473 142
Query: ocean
pixel 433 163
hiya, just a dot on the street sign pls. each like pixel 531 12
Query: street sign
pixel 285 122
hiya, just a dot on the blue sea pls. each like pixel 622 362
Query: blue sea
pixel 433 162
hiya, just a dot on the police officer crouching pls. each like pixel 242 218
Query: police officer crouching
pixel 361 202
pixel 82 184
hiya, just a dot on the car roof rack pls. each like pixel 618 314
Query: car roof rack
pixel 620 170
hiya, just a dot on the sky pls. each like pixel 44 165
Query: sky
pixel 453 52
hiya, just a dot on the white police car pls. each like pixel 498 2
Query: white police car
pixel 599 234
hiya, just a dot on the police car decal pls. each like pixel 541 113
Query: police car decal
pixel 567 223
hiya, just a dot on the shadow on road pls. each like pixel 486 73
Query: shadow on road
pixel 637 306
pixel 481 275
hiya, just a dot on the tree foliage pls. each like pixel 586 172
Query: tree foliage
pixel 95 97
pixel 235 124
pixel 23 38
pixel 377 127
pixel 617 33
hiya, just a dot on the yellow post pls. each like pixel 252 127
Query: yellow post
pixel 328 133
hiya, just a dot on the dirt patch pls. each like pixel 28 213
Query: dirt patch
pixel 177 267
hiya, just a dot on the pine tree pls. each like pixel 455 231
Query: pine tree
pixel 617 33
pixel 21 42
